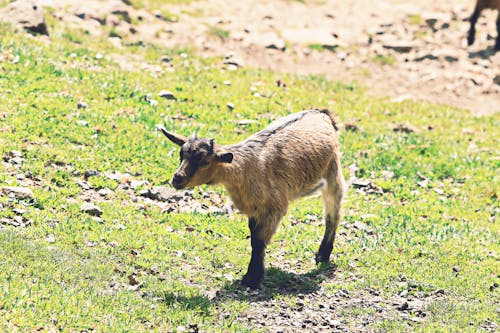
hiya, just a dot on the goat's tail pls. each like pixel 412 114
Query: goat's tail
pixel 333 118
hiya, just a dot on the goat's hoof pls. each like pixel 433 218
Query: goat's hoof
pixel 250 282
pixel 322 259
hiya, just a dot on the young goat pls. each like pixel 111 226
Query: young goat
pixel 480 5
pixel 295 156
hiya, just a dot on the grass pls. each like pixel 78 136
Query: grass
pixel 383 59
pixel 415 19
pixel 321 47
pixel 217 32
pixel 71 272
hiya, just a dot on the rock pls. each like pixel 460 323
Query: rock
pixel 6 221
pixel 161 193
pixel 91 209
pixel 26 14
pixel 82 184
pixel 18 192
pixel 118 176
pixel 14 157
pixel 310 36
pixel 230 106
pixel 91 173
pixel 405 128
pixel 167 95
pixel 244 122
pixel 399 46
pixel 232 59
pixel 496 80
pixel 269 40
pixel 82 105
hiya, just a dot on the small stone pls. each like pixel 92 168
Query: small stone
pixel 165 59
pixel 440 292
pixel 244 122
pixel 91 173
pixel 98 56
pixel 18 192
pixel 400 47
pixel 230 106
pixel 30 16
pixel 7 221
pixel 104 192
pixel 82 105
pixel 50 239
pixel 82 184
pixel 19 211
pixel 456 269
pixel 496 80
pixel 91 209
pixel 167 95
pixel 161 193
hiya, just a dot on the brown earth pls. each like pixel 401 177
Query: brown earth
pixel 395 48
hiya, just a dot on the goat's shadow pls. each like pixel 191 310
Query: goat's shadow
pixel 276 282
pixel 483 54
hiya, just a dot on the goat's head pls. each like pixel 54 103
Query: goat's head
pixel 199 159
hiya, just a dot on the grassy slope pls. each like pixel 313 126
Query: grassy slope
pixel 418 233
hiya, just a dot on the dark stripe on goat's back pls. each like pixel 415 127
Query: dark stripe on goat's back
pixel 292 118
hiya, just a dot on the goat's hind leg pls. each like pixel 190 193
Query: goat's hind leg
pixel 332 202
pixel 497 44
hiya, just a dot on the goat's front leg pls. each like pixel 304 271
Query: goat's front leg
pixel 472 29
pixel 256 267
pixel 262 230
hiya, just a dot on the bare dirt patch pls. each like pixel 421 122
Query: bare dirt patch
pixel 393 48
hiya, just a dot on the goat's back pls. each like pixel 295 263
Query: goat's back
pixel 290 156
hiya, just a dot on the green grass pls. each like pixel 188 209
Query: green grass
pixel 217 32
pixel 78 278
pixel 320 47
pixel 415 19
pixel 383 59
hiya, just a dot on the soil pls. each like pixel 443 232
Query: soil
pixel 404 50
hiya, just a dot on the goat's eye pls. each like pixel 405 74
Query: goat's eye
pixel 203 163
pixel 182 155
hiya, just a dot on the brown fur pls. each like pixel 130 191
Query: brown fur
pixel 480 6
pixel 292 157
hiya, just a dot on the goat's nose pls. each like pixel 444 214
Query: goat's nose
pixel 177 180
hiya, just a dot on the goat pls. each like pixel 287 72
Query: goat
pixel 294 156
pixel 480 5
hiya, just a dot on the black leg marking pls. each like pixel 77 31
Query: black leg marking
pixel 497 44
pixel 472 30
pixel 326 247
pixel 256 267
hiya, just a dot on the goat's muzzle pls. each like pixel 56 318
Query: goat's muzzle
pixel 178 181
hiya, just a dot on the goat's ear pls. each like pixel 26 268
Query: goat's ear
pixel 175 138
pixel 224 157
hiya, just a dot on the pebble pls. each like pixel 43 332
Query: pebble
pixel 18 192
pixel 91 209
pixel 167 95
